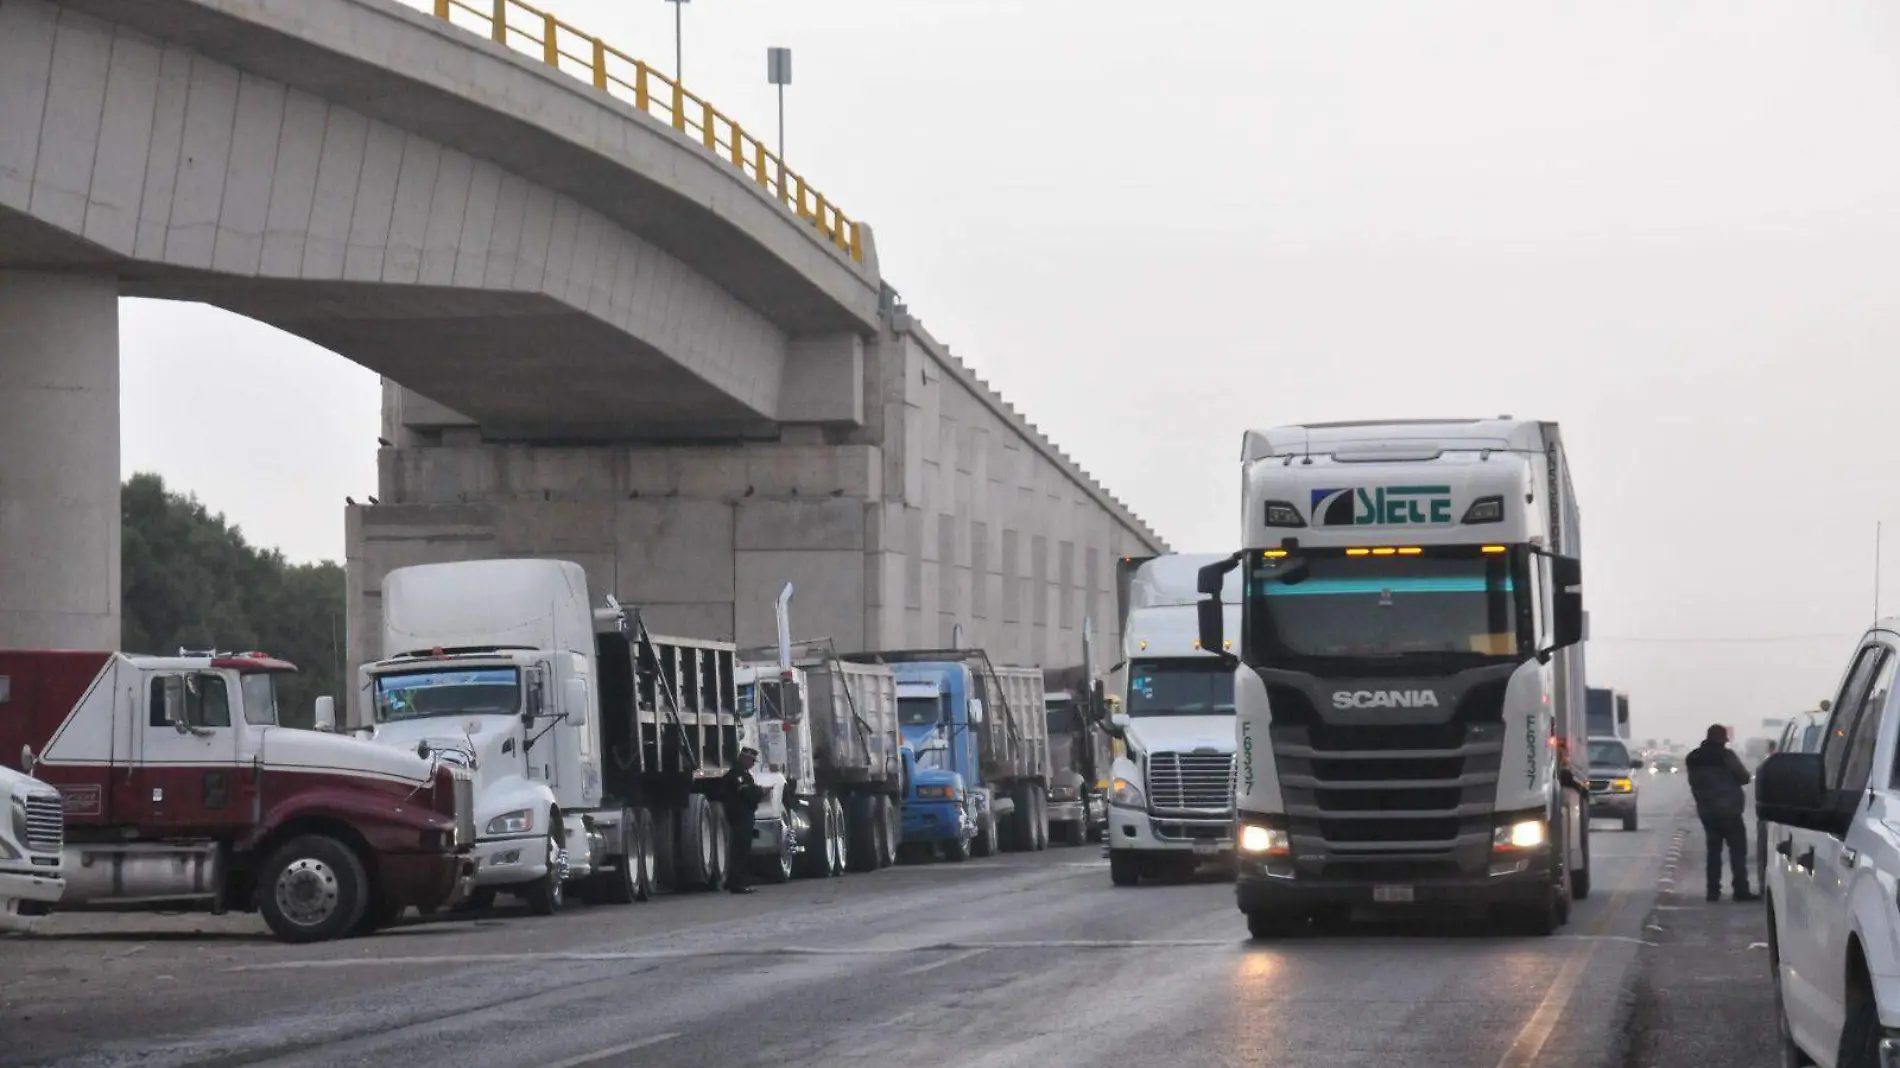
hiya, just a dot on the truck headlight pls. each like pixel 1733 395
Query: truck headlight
pixel 520 821
pixel 1126 794
pixel 1524 834
pixel 1257 839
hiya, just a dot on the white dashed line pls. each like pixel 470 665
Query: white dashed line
pixel 613 1051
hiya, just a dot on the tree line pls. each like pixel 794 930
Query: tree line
pixel 192 581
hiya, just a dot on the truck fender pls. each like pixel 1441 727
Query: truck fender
pixel 381 821
pixel 512 794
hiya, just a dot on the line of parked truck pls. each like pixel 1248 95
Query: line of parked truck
pixel 519 739
pixel 1378 702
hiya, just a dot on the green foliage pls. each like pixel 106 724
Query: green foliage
pixel 191 581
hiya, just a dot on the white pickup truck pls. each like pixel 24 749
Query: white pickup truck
pixel 32 832
pixel 1832 821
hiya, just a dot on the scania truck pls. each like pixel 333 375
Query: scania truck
pixel 1171 790
pixel 1409 682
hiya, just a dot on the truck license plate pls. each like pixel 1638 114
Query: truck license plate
pixel 1206 849
pixel 1392 895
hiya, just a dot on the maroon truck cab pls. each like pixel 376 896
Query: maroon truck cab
pixel 180 788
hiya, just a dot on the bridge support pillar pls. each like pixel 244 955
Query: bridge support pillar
pixel 59 461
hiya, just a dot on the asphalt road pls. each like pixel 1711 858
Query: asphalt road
pixel 1031 959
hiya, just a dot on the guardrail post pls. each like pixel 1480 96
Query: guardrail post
pixel 758 161
pixel 707 116
pixel 738 148
pixel 641 98
pixel 600 64
pixel 550 40
pixel 857 244
pixel 498 22
pixel 818 216
pixel 679 106
pixel 442 10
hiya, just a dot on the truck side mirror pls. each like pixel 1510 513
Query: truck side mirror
pixel 976 712
pixel 1566 593
pixel 574 705
pixel 1791 788
pixel 1118 724
pixel 324 717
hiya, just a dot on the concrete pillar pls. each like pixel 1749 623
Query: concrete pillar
pixel 59 462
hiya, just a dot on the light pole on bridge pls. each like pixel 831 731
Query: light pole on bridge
pixel 679 54
pixel 778 71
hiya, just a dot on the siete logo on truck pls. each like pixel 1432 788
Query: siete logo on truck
pixel 1385 699
pixel 1386 506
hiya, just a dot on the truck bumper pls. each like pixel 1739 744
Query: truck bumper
pixel 426 880
pixel 1206 836
pixel 935 821
pixel 1612 806
pixel 1261 885
pixel 509 861
pixel 1066 812
pixel 25 897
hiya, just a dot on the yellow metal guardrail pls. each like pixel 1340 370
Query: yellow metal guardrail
pixel 529 30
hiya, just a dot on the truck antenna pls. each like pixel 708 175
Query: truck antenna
pixel 1876 571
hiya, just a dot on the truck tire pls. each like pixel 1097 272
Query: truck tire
pixel 893 828
pixel 648 855
pixel 984 844
pixel 1124 869
pixel 815 861
pixel 778 869
pixel 1860 1031
pixel 718 833
pixel 665 825
pixel 1580 876
pixel 1022 837
pixel 1040 824
pixel 957 850
pixel 862 845
pixel 837 846
pixel 379 914
pixel 314 889
pixel 621 886
pixel 546 895
pixel 694 866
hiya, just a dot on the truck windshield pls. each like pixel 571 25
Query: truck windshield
pixel 1197 687
pixel 259 689
pixel 421 694
pixel 919 711
pixel 1440 610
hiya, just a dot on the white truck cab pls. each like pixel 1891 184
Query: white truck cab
pixel 1832 824
pixel 32 835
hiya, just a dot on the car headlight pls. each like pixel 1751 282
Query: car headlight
pixel 1621 786
pixel 1524 834
pixel 1126 794
pixel 1257 839
pixel 948 793
pixel 520 821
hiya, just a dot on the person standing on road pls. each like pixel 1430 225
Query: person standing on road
pixel 742 797
pixel 1716 777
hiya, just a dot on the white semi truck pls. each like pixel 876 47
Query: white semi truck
pixel 32 843
pixel 830 758
pixel 1171 791
pixel 1409 675
pixel 595 746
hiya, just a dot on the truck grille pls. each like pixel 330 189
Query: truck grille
pixel 1191 782
pixel 45 824
pixel 464 809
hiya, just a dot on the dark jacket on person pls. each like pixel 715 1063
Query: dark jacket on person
pixel 740 794
pixel 1716 778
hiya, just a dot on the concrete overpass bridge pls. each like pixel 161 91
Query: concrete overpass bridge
pixel 624 331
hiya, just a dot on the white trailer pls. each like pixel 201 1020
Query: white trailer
pixel 1409 679
pixel 596 747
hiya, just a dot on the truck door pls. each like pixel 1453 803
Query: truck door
pixel 185 775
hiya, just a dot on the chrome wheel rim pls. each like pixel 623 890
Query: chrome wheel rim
pixel 307 891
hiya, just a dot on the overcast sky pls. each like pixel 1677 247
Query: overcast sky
pixel 1672 227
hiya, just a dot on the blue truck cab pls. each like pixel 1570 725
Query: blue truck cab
pixel 947 807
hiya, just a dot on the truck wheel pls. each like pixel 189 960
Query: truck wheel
pixel 1540 919
pixel 838 841
pixel 718 833
pixel 893 828
pixel 1022 822
pixel 693 863
pixel 957 850
pixel 664 823
pixel 1860 1031
pixel 862 846
pixel 815 861
pixel 984 844
pixel 314 889
pixel 1041 821
pixel 546 895
pixel 779 869
pixel 621 886
pixel 1124 869
pixel 648 855
pixel 1580 876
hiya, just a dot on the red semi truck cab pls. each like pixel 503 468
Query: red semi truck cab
pixel 181 789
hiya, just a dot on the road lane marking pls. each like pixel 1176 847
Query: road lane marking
pixel 613 1051
pixel 1530 1040
pixel 954 958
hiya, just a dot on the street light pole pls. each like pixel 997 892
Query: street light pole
pixel 778 71
pixel 679 55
